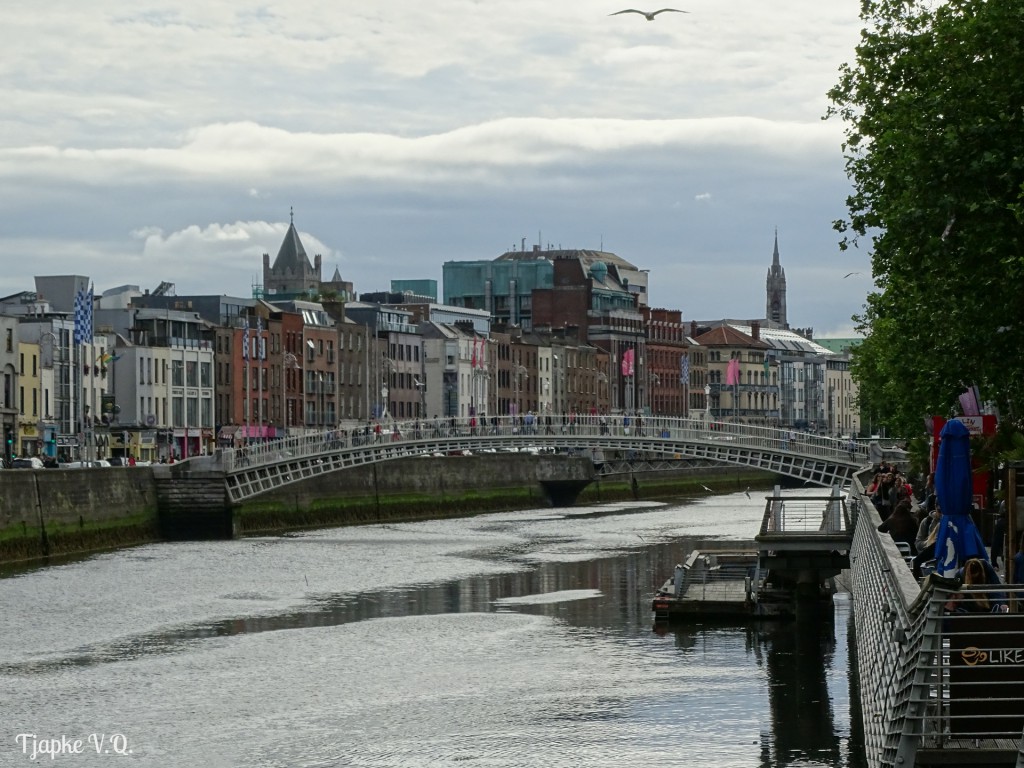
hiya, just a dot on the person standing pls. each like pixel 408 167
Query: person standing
pixel 901 525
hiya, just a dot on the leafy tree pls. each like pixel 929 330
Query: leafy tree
pixel 934 114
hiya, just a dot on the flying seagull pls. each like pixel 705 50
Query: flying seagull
pixel 848 274
pixel 707 489
pixel 649 15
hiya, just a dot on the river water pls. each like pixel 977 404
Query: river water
pixel 516 639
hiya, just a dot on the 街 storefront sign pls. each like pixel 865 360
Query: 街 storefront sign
pixel 973 656
pixel 986 674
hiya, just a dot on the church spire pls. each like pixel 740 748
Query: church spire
pixel 775 288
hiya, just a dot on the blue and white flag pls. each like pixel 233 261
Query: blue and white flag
pixel 684 368
pixel 83 316
pixel 261 345
pixel 245 339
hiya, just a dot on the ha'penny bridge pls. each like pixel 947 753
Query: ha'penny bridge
pixel 657 443
pixel 939 685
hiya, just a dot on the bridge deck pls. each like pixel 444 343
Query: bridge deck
pixel 254 469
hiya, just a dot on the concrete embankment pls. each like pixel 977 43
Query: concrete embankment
pixel 58 512
pixel 47 513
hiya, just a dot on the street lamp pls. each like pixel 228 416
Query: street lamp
pixel 422 387
pixel 386 367
pixel 320 379
pixel 654 381
pixel 288 361
pixel 517 372
pixel 556 374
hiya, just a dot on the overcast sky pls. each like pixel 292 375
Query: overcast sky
pixel 149 140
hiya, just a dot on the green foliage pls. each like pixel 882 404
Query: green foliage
pixel 934 114
pixel 919 456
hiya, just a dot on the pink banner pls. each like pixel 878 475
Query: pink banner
pixel 732 373
pixel 627 363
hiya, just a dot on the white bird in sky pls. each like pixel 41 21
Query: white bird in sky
pixel 649 15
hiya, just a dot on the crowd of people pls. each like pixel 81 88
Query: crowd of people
pixel 912 517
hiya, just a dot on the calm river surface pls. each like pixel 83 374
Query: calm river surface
pixel 515 639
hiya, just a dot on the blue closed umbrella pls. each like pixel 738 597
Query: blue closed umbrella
pixel 958 539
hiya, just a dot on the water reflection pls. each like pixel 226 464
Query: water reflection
pixel 537 653
pixel 798 659
pixel 622 584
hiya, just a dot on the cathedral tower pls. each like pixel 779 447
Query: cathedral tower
pixel 292 276
pixel 775 309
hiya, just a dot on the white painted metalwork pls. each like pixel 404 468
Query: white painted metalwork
pixel 816 459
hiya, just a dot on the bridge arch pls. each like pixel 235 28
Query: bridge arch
pixel 252 470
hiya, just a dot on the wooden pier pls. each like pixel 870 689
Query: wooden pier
pixel 804 542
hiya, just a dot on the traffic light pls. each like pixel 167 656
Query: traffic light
pixel 10 444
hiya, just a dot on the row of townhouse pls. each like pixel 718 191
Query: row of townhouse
pixel 166 377
pixel 548 331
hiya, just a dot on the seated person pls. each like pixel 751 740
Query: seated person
pixel 929 525
pixel 975 575
pixel 926 549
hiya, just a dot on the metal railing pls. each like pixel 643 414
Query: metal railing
pixel 805 515
pixel 650 433
pixel 941 667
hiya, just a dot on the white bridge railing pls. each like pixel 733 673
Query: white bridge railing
pixel 652 434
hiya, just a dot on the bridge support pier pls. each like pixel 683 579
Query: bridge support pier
pixel 563 493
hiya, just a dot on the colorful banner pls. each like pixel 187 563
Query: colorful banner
pixel 627 363
pixel 732 372
pixel 83 316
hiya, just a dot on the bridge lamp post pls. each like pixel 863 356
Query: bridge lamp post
pixel 558 375
pixel 320 387
pixel 387 365
pixel 288 361
pixel 422 387
pixel 602 388
pixel 655 381
pixel 517 405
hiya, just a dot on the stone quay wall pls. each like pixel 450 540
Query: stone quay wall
pixel 49 513
pixel 46 512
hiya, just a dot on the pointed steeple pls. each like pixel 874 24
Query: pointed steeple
pixel 775 288
pixel 292 255
pixel 292 274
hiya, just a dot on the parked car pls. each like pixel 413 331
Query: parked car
pixel 85 464
pixel 27 462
